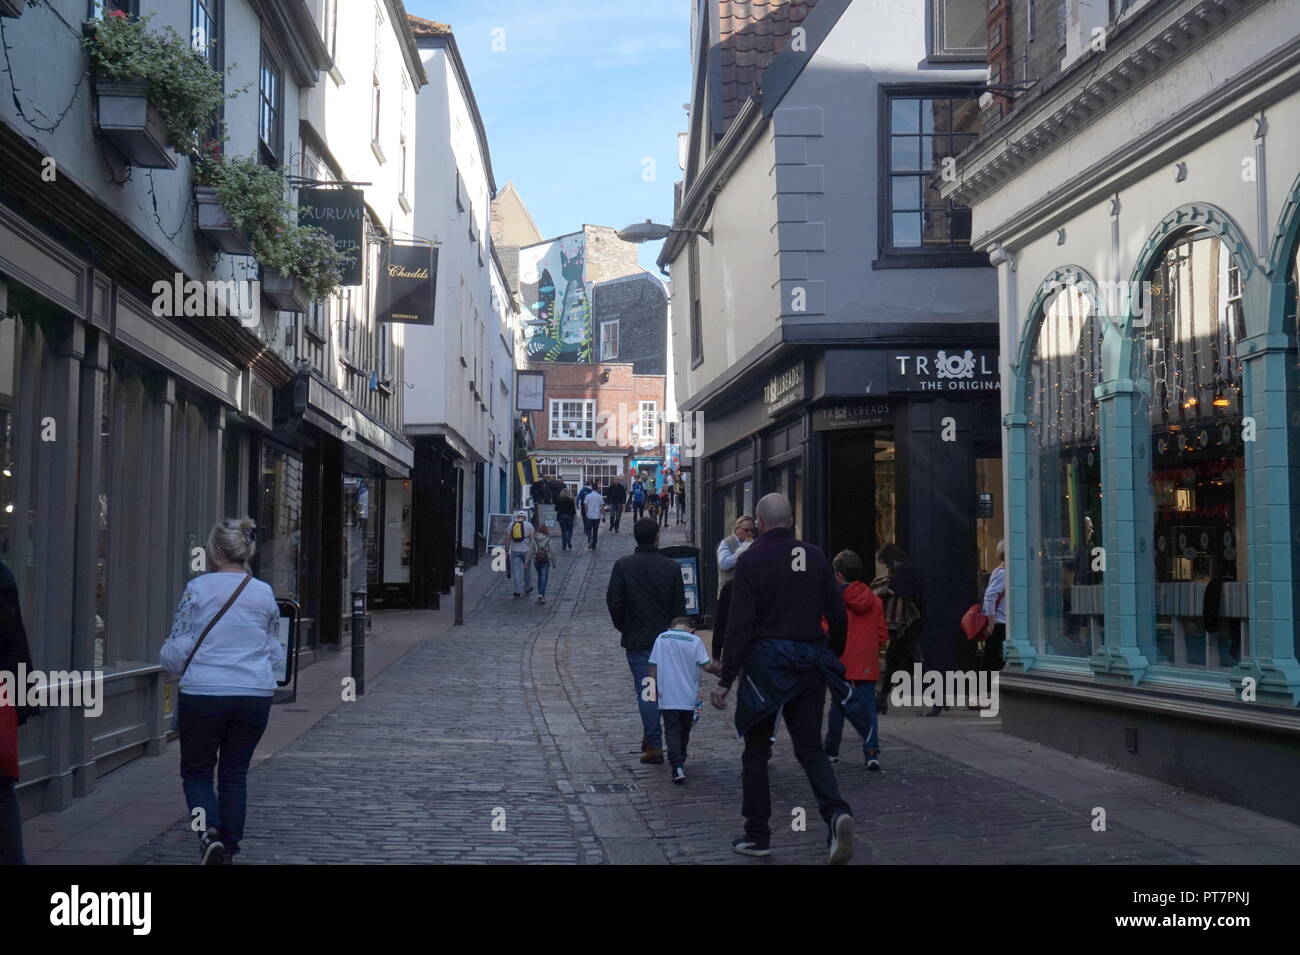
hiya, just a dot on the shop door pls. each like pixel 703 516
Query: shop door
pixel 861 505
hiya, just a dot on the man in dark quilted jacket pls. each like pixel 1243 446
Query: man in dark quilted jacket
pixel 645 594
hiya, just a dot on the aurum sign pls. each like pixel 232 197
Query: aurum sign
pixel 341 213
pixel 408 278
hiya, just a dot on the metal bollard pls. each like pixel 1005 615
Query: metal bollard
pixel 359 640
pixel 460 593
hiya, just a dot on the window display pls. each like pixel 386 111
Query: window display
pixel 1067 607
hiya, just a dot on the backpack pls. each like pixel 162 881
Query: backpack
pixel 543 554
pixel 517 531
pixel 638 492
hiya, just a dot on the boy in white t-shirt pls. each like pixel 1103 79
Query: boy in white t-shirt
pixel 675 662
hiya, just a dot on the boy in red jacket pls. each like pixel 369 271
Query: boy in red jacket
pixel 867 634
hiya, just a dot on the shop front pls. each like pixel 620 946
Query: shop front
pixel 903 447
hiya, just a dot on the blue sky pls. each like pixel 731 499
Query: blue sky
pixel 583 95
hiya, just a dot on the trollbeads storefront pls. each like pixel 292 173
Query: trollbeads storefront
pixel 871 445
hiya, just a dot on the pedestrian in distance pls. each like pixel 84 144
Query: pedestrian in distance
pixel 900 589
pixel 782 589
pixel 729 549
pixel 638 493
pixel 225 647
pixel 519 548
pixel 616 498
pixel 676 659
pixel 583 492
pixel 593 509
pixel 665 506
pixel 681 502
pixel 866 635
pixel 541 557
pixel 565 512
pixel 645 595
pixel 14 650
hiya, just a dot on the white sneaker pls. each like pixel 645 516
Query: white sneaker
pixel 841 848
pixel 679 775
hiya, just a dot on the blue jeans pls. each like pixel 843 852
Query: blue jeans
pixel 543 575
pixel 521 572
pixel 11 825
pixel 221 733
pixel 639 661
pixel 868 731
pixel 566 531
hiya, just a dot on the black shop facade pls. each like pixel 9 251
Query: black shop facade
pixel 871 444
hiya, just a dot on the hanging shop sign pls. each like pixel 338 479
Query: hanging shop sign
pixel 408 278
pixel 853 414
pixel 945 369
pixel 341 213
pixel 785 390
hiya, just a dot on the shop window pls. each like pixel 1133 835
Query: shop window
pixel 926 129
pixel 279 520
pixel 19 371
pixel 1198 457
pixel 1065 518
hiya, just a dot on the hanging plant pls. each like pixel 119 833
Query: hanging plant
pixel 182 86
pixel 253 196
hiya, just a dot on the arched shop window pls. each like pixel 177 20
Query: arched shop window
pixel 1066 605
pixel 1197 455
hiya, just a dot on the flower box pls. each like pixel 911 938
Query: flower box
pixel 12 8
pixel 285 292
pixel 131 123
pixel 214 223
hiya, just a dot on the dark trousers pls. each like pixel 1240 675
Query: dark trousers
pixel 592 529
pixel 220 732
pixel 803 718
pixel 677 734
pixel 615 516
pixel 11 825
pixel 638 511
pixel 903 652
pixel 664 510
pixel 720 620
pixel 566 530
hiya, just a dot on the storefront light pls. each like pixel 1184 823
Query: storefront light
pixel 7 473
pixel 9 508
pixel 1190 403
pixel 1222 402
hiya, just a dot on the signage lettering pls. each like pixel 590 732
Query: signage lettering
pixel 341 213
pixel 408 287
pixel 945 369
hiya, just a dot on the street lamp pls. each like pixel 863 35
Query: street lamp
pixel 652 231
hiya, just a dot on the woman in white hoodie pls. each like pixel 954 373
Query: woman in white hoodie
pixel 225 646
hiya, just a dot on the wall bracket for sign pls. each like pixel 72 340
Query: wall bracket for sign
pixel 297 181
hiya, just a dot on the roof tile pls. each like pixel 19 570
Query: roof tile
pixel 751 33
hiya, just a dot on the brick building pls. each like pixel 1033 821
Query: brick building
pixel 600 419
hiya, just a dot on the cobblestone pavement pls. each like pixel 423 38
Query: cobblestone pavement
pixel 525 717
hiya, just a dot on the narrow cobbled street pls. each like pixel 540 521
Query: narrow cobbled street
pixel 515 738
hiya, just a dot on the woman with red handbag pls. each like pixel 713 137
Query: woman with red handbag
pixel 13 651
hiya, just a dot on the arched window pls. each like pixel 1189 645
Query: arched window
pixel 1193 323
pixel 1066 603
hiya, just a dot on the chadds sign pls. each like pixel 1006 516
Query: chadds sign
pixel 785 390
pixel 341 213
pixel 408 279
pixel 948 369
